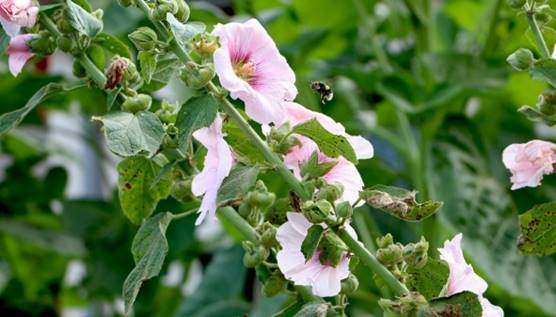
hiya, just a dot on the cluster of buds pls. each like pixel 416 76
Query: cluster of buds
pixel 281 139
pixel 398 257
pixel 255 204
pixel 71 40
pixel 197 76
pixel 411 304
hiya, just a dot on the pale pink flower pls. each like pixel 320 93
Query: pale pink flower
pixel 19 52
pixel 463 278
pixel 297 114
pixel 15 14
pixel 325 280
pixel 217 166
pixel 529 162
pixel 250 66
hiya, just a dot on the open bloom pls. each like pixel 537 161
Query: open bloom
pixel 529 162
pixel 217 166
pixel 250 66
pixel 15 14
pixel 463 277
pixel 325 280
pixel 19 52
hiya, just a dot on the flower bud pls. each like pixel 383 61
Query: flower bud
pixel 126 3
pixel 197 76
pixel 416 254
pixel 254 254
pixel 516 4
pixel 522 59
pixel 390 255
pixel 140 102
pixel 206 46
pixel 274 285
pixel 261 197
pixel 350 284
pixel 385 241
pixel 144 38
pixel 268 235
pixel 344 210
pixel 332 250
pixel 42 43
pixel 168 112
pixel 277 213
pixel 163 7
pixel 122 71
pixel 62 21
pixel 409 304
pixel 330 192
pixel 65 44
pixel 547 102
pixel 183 11
pixel 78 70
pixel 317 212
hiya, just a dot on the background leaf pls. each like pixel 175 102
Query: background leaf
pixel 538 230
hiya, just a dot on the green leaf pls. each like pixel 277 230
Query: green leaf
pixel 83 21
pixel 184 33
pixel 149 250
pixel 544 69
pixel 313 309
pixel 399 202
pixel 113 44
pixel 48 239
pixel 138 197
pixel 129 134
pixel 112 96
pixel 166 68
pixel 430 279
pixel 242 146
pixel 10 120
pixel 538 230
pixel 4 40
pixel 330 144
pixel 311 241
pixel 240 180
pixel 147 60
pixel 462 304
pixel 196 113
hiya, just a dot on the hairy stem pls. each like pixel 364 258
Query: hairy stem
pixel 239 223
pixel 539 39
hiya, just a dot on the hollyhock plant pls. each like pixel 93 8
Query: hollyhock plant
pixel 324 279
pixel 15 14
pixel 529 162
pixel 463 278
pixel 19 52
pixel 217 166
pixel 251 68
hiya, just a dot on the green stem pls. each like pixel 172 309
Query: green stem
pixel 363 230
pixel 539 39
pixel 239 223
pixel 184 214
pixel 92 70
pixel 491 32
pixel 49 25
pixel 371 262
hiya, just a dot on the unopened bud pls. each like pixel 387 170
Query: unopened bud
pixel 516 4
pixel 416 254
pixel 122 71
pixel 274 285
pixel 547 102
pixel 126 3
pixel 65 44
pixel 144 38
pixel 268 235
pixel 330 192
pixel 277 213
pixel 206 46
pixel 163 7
pixel 254 254
pixel 183 11
pixel 197 76
pixel 168 112
pixel 350 284
pixel 317 212
pixel 139 102
pixel 42 43
pixel 390 255
pixel 344 210
pixel 332 250
pixel 385 241
pixel 522 59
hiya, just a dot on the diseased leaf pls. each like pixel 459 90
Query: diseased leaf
pixel 430 279
pixel 83 21
pixel 240 180
pixel 10 120
pixel 462 304
pixel 149 250
pixel 196 113
pixel 311 241
pixel 138 197
pixel 113 45
pixel 399 202
pixel 147 61
pixel 129 134
pixel 184 33
pixel 330 144
pixel 538 230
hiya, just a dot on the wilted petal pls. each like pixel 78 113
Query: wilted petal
pixel 529 162
pixel 217 166
pixel 19 53
pixel 490 310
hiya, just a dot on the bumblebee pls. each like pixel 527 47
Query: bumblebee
pixel 325 92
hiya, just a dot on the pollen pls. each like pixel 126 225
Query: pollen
pixel 245 70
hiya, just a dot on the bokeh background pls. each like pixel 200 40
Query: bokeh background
pixel 425 80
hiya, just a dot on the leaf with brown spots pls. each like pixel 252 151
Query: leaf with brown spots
pixel 538 230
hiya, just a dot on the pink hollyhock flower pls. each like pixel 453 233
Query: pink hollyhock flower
pixel 15 14
pixel 250 66
pixel 325 280
pixel 217 166
pixel 297 114
pixel 19 52
pixel 529 162
pixel 463 278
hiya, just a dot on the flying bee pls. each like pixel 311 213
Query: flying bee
pixel 325 92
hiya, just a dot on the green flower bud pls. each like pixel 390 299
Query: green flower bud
pixel 344 210
pixel 168 112
pixel 126 3
pixel 183 11
pixel 318 212
pixel 42 43
pixel 516 4
pixel 197 76
pixel 274 285
pixel 206 46
pixel 144 38
pixel 385 241
pixel 78 70
pixel 62 21
pixel 163 7
pixel 254 254
pixel 332 250
pixel 522 59
pixel 140 102
pixel 547 102
pixel 65 44
pixel 268 235
pixel 408 305
pixel 255 217
pixel 277 213
pixel 261 197
pixel 350 284
pixel 312 168
pixel 416 254
pixel 390 255
pixel 330 192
